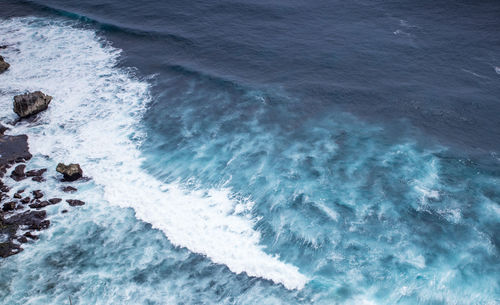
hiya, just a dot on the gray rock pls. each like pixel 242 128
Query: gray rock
pixel 3 65
pixel 29 104
pixel 71 172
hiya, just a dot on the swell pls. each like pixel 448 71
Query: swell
pixel 95 120
pixel 96 22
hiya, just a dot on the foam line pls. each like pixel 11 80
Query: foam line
pixel 94 119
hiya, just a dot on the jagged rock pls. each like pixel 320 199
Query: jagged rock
pixel 3 65
pixel 35 173
pixel 29 104
pixel 9 206
pixel 30 235
pixel 22 239
pixel 9 248
pixel 17 196
pixel 69 189
pixel 37 194
pixel 38 179
pixel 39 205
pixel 5 189
pixel 25 200
pixel 75 202
pixel 20 191
pixel 55 200
pixel 71 172
pixel 18 173
pixel 13 148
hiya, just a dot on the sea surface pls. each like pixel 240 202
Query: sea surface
pixel 260 152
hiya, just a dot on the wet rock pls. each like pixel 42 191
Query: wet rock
pixel 9 206
pixel 17 196
pixel 71 172
pixel 9 248
pixel 22 239
pixel 13 148
pixel 32 103
pixel 34 220
pixel 5 189
pixel 30 236
pixel 39 205
pixel 35 173
pixel 37 194
pixel 55 200
pixel 18 173
pixel 25 200
pixel 3 65
pixel 75 202
pixel 69 189
pixel 38 179
pixel 64 211
pixel 20 191
pixel 4 46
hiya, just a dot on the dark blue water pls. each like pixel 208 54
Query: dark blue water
pixel 276 152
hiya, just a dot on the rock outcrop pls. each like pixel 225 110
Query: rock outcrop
pixel 71 172
pixel 29 104
pixel 3 65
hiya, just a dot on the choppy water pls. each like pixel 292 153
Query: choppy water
pixel 273 153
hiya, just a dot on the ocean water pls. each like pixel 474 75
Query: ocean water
pixel 263 152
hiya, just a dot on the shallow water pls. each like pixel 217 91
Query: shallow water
pixel 305 166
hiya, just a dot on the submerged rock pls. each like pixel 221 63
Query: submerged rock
pixel 75 202
pixel 31 103
pixel 69 189
pixel 3 65
pixel 71 172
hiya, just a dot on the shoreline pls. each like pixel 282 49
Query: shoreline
pixel 22 217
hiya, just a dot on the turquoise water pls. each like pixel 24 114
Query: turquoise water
pixel 213 191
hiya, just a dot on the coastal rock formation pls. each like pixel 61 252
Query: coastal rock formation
pixel 29 104
pixel 71 172
pixel 3 65
pixel 75 202
pixel 69 189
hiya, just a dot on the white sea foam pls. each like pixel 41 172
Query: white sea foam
pixel 94 120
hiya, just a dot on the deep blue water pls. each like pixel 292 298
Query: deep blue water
pixel 274 152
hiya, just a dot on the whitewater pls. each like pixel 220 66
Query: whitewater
pixel 94 119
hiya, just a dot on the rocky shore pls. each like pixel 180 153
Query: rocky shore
pixel 22 214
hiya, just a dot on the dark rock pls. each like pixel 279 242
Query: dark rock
pixel 9 206
pixel 39 205
pixel 22 239
pixel 4 46
pixel 37 194
pixel 71 172
pixel 5 189
pixel 40 226
pixel 36 173
pixel 55 200
pixel 3 65
pixel 38 179
pixel 29 104
pixel 75 202
pixel 69 189
pixel 3 129
pixel 13 148
pixel 25 200
pixel 29 218
pixel 20 191
pixel 30 235
pixel 18 173
pixel 64 211
pixel 19 207
pixel 9 248
pixel 17 196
